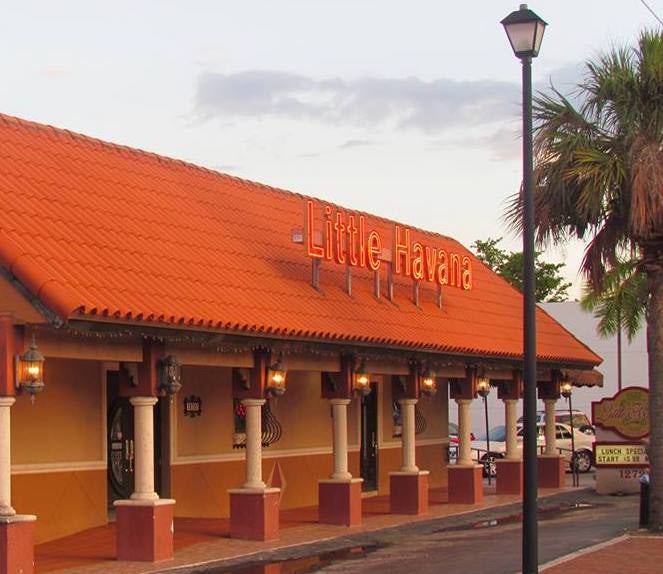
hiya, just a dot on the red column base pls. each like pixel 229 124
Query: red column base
pixel 254 514
pixel 144 529
pixel 509 477
pixel 408 492
pixel 339 501
pixel 17 544
pixel 550 470
pixel 465 484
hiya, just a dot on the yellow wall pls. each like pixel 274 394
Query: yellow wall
pixel 65 423
pixel 64 502
pixel 58 448
pixel 212 432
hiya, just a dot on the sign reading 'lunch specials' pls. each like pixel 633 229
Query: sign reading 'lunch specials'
pixel 620 455
pixel 346 239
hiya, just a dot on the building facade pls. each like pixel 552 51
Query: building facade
pixel 216 347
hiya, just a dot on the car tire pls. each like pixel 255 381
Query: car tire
pixel 583 461
pixel 489 466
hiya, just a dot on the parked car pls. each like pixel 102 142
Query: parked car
pixel 580 420
pixel 584 458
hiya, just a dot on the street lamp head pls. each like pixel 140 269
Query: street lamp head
pixel 483 386
pixel 525 32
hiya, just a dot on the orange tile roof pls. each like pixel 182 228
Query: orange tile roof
pixel 100 230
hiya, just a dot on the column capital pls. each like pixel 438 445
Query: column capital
pixel 463 401
pixel 510 401
pixel 407 401
pixel 340 402
pixel 7 401
pixel 253 402
pixel 143 401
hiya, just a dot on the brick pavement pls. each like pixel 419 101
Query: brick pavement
pixel 637 553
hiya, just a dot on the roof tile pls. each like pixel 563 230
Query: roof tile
pixel 97 229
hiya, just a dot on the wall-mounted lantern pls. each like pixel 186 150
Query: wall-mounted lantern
pixel 427 383
pixel 361 380
pixel 276 377
pixel 169 375
pixel 30 371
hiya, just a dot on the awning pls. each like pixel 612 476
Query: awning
pixel 580 378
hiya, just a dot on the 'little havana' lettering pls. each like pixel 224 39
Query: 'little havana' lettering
pixel 346 240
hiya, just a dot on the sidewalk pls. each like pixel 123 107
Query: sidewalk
pixel 637 553
pixel 205 542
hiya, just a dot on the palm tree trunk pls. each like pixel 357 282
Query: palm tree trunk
pixel 655 350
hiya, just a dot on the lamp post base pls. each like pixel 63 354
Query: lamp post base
pixel 17 543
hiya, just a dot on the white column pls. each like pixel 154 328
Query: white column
pixel 144 448
pixel 253 443
pixel 464 431
pixel 5 457
pixel 551 439
pixel 407 435
pixel 510 418
pixel 340 446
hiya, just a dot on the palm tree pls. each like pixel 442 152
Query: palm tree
pixel 619 306
pixel 599 177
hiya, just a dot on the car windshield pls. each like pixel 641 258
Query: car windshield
pixel 497 433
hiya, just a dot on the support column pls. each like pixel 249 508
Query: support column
pixel 145 522
pixel 16 530
pixel 510 468
pixel 551 463
pixel 253 443
pixel 254 508
pixel 5 457
pixel 339 497
pixel 408 488
pixel 465 477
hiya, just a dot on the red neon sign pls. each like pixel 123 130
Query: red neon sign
pixel 346 240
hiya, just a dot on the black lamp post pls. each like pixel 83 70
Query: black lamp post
pixel 567 389
pixel 483 389
pixel 525 32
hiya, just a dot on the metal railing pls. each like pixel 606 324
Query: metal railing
pixel 489 462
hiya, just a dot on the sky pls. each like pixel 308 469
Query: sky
pixel 408 110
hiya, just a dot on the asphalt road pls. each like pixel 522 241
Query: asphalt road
pixel 482 542
pixel 494 549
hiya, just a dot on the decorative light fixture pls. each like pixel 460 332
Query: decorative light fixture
pixel 169 375
pixel 566 389
pixel 427 383
pixel 483 390
pixel 361 380
pixel 30 371
pixel 276 377
pixel 483 385
pixel 525 32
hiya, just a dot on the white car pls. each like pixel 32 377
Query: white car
pixel 584 458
